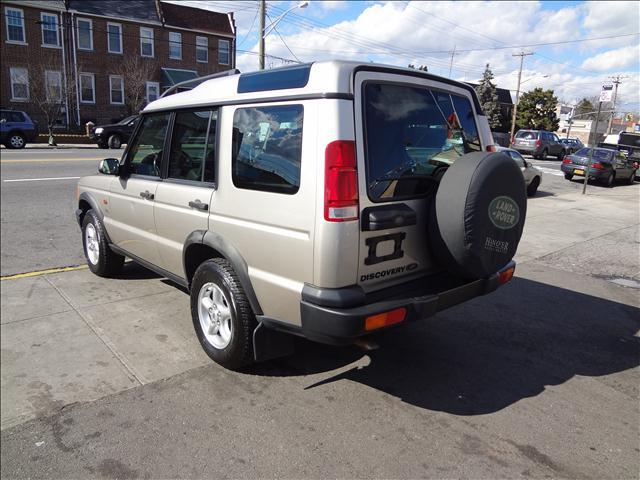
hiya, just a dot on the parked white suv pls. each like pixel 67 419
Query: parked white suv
pixel 328 200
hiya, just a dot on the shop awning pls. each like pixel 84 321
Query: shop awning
pixel 171 76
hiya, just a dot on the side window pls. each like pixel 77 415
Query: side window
pixel 555 137
pixel 267 148
pixel 145 155
pixel 190 154
pixel 518 159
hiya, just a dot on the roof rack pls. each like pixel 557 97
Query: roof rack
pixel 226 73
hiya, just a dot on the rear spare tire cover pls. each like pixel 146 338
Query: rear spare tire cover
pixel 478 214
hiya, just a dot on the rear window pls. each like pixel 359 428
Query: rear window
pixel 600 155
pixel 527 135
pixel 412 135
pixel 267 148
pixel 629 139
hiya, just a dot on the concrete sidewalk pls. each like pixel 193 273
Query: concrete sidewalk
pixel 75 337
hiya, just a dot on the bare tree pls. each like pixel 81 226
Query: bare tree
pixel 136 72
pixel 50 90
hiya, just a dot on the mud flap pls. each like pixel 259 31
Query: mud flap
pixel 269 343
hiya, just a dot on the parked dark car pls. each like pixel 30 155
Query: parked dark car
pixel 607 166
pixel 538 143
pixel 571 145
pixel 114 135
pixel 16 128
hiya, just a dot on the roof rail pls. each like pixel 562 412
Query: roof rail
pixel 226 73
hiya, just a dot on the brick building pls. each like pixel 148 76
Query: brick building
pixel 105 59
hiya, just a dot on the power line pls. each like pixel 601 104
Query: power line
pixel 250 28
pixel 282 39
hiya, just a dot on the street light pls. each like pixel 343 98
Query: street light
pixel 266 31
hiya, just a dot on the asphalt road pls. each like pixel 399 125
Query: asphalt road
pixel 38 200
pixel 37 204
pixel 539 379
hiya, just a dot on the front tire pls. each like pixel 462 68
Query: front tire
pixel 221 314
pixel 533 187
pixel 101 260
pixel 632 178
pixel 114 141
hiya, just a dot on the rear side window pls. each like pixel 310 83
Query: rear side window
pixel 412 135
pixel 267 148
pixel 145 154
pixel 192 157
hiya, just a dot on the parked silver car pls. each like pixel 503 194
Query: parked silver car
pixel 532 175
pixel 539 144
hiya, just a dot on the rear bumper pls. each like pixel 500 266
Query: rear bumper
pixel 568 168
pixel 328 315
pixel 525 149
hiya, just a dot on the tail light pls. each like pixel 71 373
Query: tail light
pixel 340 182
pixel 635 165
pixel 538 143
pixel 566 160
pixel 492 148
pixel 513 141
pixel 506 275
pixel 597 166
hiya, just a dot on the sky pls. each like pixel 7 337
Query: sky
pixel 427 33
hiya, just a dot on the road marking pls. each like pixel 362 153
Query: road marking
pixel 38 273
pixel 40 179
pixel 53 160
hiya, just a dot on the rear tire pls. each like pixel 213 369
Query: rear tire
pixel 101 260
pixel 568 176
pixel 221 314
pixel 533 187
pixel 609 181
pixel 16 141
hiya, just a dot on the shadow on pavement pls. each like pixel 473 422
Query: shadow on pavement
pixel 541 194
pixel 485 355
pixel 133 271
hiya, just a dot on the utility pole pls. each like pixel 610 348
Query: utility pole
pixel 617 80
pixel 262 15
pixel 522 54
pixel 451 64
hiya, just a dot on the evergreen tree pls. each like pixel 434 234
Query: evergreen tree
pixel 537 110
pixel 585 106
pixel 488 97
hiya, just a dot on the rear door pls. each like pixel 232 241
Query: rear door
pixel 184 197
pixel 409 130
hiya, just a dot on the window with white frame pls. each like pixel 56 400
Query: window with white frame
pixel 146 42
pixel 114 37
pixel 14 18
pixel 202 49
pixel 175 45
pixel 19 83
pixel 116 89
pixel 87 88
pixel 53 83
pixel 85 34
pixel 153 91
pixel 49 24
pixel 223 52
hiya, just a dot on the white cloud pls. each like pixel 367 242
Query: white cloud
pixel 613 59
pixel 330 5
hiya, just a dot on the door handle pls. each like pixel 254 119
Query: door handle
pixel 199 205
pixel 146 194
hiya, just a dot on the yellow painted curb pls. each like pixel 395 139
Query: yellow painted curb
pixel 38 273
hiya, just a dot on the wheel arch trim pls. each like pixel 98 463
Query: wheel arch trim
pixel 228 252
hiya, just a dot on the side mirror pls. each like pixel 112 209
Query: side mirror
pixel 109 166
pixel 4 120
